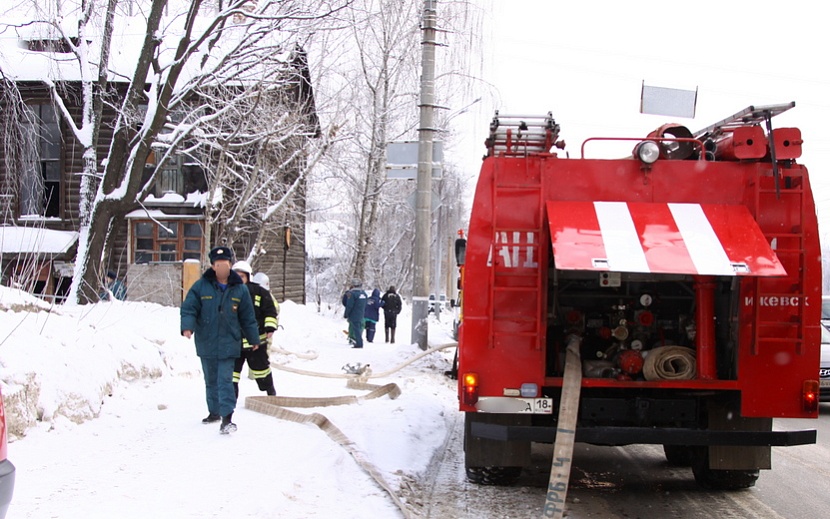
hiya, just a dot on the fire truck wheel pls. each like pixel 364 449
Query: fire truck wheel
pixel 493 476
pixel 678 455
pixel 720 479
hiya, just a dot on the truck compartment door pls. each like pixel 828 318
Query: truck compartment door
pixel 668 238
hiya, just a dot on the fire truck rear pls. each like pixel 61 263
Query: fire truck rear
pixel 689 273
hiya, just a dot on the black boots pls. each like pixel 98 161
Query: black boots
pixel 393 335
pixel 227 426
pixel 211 418
pixel 387 334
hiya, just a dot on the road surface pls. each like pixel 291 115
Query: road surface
pixel 634 482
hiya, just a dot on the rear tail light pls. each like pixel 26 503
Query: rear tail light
pixel 469 389
pixel 809 396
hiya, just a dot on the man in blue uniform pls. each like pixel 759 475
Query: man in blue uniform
pixel 372 315
pixel 355 302
pixel 218 310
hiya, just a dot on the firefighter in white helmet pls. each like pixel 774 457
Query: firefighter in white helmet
pixel 266 316
pixel 261 279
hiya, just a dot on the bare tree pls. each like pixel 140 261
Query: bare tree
pixel 189 47
pixel 375 232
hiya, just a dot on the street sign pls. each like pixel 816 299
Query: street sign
pixel 402 160
pixel 668 101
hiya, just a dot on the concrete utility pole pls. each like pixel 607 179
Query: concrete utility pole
pixel 423 201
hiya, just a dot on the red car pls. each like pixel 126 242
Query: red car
pixel 6 467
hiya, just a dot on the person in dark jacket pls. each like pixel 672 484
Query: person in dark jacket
pixel 218 311
pixel 391 303
pixel 355 302
pixel 372 314
pixel 266 317
pixel 113 286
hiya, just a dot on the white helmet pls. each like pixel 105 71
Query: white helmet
pixel 261 279
pixel 243 266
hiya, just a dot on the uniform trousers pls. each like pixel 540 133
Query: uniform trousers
pixel 221 399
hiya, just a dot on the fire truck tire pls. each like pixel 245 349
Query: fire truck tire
pixel 720 479
pixel 493 476
pixel 678 455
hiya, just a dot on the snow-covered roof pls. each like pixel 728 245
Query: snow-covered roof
pixel 35 240
pixel 195 199
pixel 158 214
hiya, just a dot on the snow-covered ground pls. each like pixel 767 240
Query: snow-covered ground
pixel 104 405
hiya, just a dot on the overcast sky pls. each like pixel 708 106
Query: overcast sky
pixel 586 60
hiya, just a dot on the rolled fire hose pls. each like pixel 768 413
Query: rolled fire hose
pixel 276 406
pixel 670 363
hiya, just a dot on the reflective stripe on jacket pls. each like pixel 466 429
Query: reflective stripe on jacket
pixel 266 313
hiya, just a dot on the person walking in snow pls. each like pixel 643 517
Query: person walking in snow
pixel 372 314
pixel 218 311
pixel 266 316
pixel 391 303
pixel 355 302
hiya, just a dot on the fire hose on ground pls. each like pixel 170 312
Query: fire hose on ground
pixel 276 406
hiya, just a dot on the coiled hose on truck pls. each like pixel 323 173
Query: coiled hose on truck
pixel 670 363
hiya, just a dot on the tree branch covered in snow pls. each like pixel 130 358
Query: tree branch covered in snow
pixel 205 59
pixel 370 81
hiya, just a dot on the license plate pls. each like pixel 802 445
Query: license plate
pixel 824 383
pixel 537 405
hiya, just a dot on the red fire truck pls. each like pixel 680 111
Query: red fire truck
pixel 689 272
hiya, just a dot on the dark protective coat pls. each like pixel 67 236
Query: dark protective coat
pixel 258 363
pixel 391 303
pixel 373 305
pixel 219 319
pixel 355 302
pixel 264 308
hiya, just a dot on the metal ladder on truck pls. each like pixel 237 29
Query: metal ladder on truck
pixel 523 136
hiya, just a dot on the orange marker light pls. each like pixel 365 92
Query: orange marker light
pixel 809 396
pixel 470 388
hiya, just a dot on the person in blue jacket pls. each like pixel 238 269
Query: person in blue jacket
pixel 355 302
pixel 372 314
pixel 113 286
pixel 219 311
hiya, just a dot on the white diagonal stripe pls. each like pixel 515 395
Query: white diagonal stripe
pixel 703 244
pixel 622 244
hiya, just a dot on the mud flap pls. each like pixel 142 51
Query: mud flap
pixel 726 416
pixel 482 452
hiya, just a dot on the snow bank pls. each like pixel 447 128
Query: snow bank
pixel 62 361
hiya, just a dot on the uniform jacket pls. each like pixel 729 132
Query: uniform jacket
pixel 355 301
pixel 373 305
pixel 219 319
pixel 264 309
